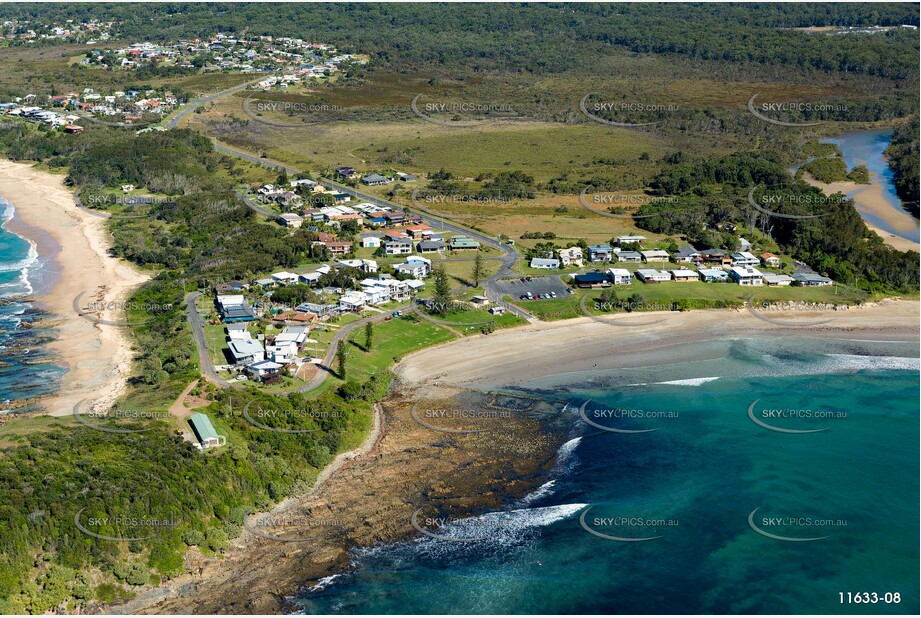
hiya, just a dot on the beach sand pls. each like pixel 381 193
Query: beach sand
pixel 97 356
pixel 404 466
pixel 870 199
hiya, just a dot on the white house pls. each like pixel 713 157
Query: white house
pixel 545 263
pixel 283 352
pixel 778 279
pixel 416 270
pixel 622 240
pixel 683 274
pixel 372 242
pixel 262 368
pixel 570 257
pixel 620 276
pixel 246 351
pixel 284 277
pixel 353 301
pixel 744 258
pixel 310 278
pixel 746 275
pixel 289 219
pixel 713 275
pixel 655 255
pixel 651 275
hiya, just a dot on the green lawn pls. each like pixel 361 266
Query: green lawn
pixel 392 340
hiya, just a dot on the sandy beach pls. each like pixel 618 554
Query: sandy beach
pixel 97 356
pixel 870 199
pixel 406 466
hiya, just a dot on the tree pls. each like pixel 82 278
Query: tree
pixel 282 177
pixel 477 269
pixel 340 356
pixel 441 299
pixel 369 335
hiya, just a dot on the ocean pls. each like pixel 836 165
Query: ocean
pixel 712 505
pixel 26 368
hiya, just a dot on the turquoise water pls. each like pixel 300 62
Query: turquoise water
pixel 26 370
pixel 693 482
pixel 868 148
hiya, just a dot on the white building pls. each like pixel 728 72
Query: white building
pixel 571 256
pixel 651 275
pixel 545 263
pixel 284 278
pixel 655 255
pixel 683 274
pixel 746 275
pixel 620 276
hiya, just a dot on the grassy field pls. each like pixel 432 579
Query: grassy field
pixel 392 340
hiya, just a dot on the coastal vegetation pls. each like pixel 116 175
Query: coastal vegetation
pixel 707 155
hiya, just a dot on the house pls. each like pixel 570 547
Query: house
pixel 770 260
pixel 683 274
pixel 418 231
pixel 223 289
pixel 713 275
pixel 339 247
pixel 205 432
pixel 266 370
pixel 284 278
pixel 394 218
pixel 373 180
pixel 625 240
pixel 497 310
pixel 246 351
pixel 428 246
pixel 353 301
pixel 265 283
pixel 599 253
pixel 571 256
pixel 282 352
pixel 461 243
pixel 297 334
pixel 372 242
pixel 416 270
pixel 297 317
pixel 744 245
pixel 345 172
pixel 778 280
pixel 810 279
pixel 377 294
pixel 716 256
pixel 592 280
pixel 237 313
pixel 651 275
pixel 655 255
pixel 746 275
pixel 310 278
pixel 306 182
pixel 686 255
pixel 480 301
pixel 399 246
pixel 629 257
pixel 319 310
pixel 620 276
pixel 744 258
pixel 405 177
pixel 368 266
pixel 545 263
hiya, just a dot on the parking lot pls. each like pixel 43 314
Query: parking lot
pixel 537 287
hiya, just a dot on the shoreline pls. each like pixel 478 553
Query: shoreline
pixel 74 247
pixel 259 576
pixel 872 204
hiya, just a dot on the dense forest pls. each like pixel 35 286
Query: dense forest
pixel 201 235
pixel 538 37
pixel 903 159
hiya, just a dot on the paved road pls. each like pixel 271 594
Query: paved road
pixel 198 332
pixel 173 122
pixel 509 256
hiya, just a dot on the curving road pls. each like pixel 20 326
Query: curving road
pixel 198 332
